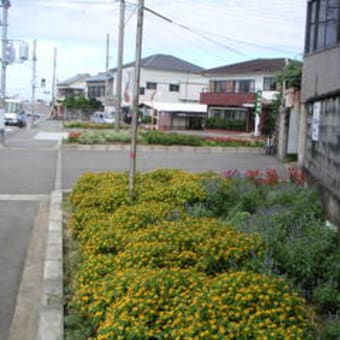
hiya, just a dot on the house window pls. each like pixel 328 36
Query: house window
pixel 323 24
pixel 174 88
pixel 96 91
pixel 218 86
pixel 245 86
pixel 142 91
pixel 269 84
pixel 225 86
pixel 151 85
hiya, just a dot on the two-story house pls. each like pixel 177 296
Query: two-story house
pixel 165 81
pixel 74 86
pixel 100 87
pixel 319 151
pixel 233 89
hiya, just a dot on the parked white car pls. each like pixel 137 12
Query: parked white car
pixel 14 113
pixel 102 118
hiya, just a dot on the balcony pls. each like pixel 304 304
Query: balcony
pixel 227 99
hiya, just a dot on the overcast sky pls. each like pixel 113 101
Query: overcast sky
pixel 235 30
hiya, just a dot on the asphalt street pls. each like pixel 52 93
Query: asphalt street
pixel 27 171
pixel 76 162
pixel 27 177
pixel 16 224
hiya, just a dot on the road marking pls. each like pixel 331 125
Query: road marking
pixel 59 136
pixel 23 197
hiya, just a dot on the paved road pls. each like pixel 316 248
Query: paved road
pixel 77 162
pixel 27 172
pixel 16 224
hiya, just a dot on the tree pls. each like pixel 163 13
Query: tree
pixel 95 105
pixel 291 75
pixel 82 106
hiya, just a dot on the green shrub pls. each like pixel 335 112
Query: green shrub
pixel 327 297
pixel 332 330
pixel 146 119
pixel 86 125
pixel 104 137
pixel 221 123
pixel 162 138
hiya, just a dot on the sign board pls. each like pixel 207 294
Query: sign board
pixel 316 121
pixel 258 102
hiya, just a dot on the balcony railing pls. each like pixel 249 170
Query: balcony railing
pixel 227 99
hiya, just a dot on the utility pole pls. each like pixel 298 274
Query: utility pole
pixel 34 71
pixel 133 150
pixel 54 77
pixel 282 137
pixel 120 64
pixel 107 70
pixel 5 6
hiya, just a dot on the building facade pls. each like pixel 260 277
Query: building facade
pixel 319 152
pixel 164 79
pixel 232 91
pixel 75 86
pixel 100 87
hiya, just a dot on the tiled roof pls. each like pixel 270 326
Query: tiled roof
pixel 251 66
pixel 99 77
pixel 74 79
pixel 166 63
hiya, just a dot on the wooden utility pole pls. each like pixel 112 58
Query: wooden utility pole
pixel 133 150
pixel 120 64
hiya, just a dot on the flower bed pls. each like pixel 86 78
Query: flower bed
pixel 156 269
pixel 158 138
pixel 87 125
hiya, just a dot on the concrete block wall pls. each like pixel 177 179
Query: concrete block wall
pixel 322 157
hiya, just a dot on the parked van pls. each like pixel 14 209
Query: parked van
pixel 14 113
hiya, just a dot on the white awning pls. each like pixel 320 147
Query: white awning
pixel 176 107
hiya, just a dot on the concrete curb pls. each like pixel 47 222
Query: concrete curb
pixel 51 322
pixel 162 148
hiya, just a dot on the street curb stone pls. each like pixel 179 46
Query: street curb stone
pixel 161 148
pixel 51 323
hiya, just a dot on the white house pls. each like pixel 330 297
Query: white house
pixel 164 79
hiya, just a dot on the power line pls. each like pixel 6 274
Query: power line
pixel 134 11
pixel 208 38
pixel 187 28
pixel 243 42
